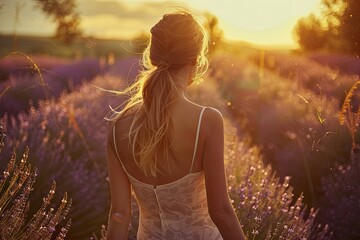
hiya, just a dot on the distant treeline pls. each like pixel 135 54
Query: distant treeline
pixel 81 47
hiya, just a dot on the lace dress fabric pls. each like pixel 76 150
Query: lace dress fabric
pixel 176 210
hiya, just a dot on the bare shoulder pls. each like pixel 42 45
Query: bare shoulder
pixel 213 115
pixel 213 119
pixel 120 126
pixel 109 125
pixel 213 112
pixel 109 131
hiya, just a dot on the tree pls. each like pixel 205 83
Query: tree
pixel 336 28
pixel 64 14
pixel 310 33
pixel 350 21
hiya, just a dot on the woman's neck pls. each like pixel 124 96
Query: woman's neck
pixel 182 79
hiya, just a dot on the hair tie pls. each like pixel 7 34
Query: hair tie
pixel 163 65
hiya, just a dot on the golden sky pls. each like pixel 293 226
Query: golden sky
pixel 268 22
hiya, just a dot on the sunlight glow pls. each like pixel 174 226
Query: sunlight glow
pixel 257 14
pixel 97 25
pixel 257 21
pixel 266 22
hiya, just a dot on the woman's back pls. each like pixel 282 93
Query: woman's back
pixel 172 206
pixel 168 149
pixel 185 117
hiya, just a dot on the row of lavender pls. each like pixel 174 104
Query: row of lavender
pixel 291 108
pixel 25 80
pixel 67 142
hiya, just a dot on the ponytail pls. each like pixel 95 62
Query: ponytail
pixel 151 129
pixel 176 41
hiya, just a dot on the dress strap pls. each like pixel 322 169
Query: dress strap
pixel 197 137
pixel 116 151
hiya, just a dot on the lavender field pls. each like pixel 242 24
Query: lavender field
pixel 292 164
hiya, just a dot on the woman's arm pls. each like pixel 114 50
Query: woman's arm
pixel 220 208
pixel 120 190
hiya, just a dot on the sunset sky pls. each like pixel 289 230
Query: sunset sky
pixel 267 22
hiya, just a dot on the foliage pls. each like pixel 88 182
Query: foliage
pixel 63 12
pixel 310 33
pixel 321 32
pixel 16 185
pixel 350 22
pixel 337 27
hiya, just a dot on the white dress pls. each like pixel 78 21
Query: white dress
pixel 176 210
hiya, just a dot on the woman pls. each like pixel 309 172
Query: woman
pixel 169 149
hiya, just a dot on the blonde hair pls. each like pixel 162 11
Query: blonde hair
pixel 176 41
